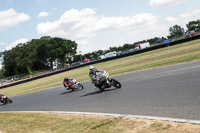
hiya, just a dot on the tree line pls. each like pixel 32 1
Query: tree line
pixel 38 54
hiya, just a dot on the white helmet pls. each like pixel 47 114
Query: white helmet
pixel 91 67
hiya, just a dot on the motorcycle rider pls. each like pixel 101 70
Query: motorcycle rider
pixel 1 95
pixel 67 82
pixel 93 74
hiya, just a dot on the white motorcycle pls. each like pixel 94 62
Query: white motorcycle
pixel 74 84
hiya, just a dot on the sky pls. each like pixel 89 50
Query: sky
pixel 92 24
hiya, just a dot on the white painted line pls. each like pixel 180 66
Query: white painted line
pixel 116 115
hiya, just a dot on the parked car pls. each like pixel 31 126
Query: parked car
pixel 111 54
pixel 120 53
pixel 76 64
pixel 132 50
pixel 15 78
pixel 102 57
pixel 68 66
pixel 190 34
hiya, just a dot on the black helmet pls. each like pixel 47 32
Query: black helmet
pixel 66 78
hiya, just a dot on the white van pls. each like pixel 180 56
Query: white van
pixel 102 57
pixel 111 54
pixel 142 45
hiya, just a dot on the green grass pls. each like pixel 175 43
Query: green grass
pixel 185 52
pixel 35 122
pixel 69 123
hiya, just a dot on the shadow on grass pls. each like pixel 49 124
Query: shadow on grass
pixel 98 92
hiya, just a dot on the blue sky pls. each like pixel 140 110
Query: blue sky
pixel 93 24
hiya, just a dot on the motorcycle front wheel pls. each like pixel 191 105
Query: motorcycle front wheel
pixel 116 83
pixel 80 86
pixel 9 100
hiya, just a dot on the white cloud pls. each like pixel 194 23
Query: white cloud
pixel 93 32
pixel 10 17
pixel 43 14
pixel 14 44
pixel 185 15
pixel 183 18
pixel 161 3
pixel 171 19
pixel 2 43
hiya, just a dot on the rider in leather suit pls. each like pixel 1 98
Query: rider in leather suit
pixel 1 95
pixel 67 82
pixel 93 73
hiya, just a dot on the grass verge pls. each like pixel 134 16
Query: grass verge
pixel 185 52
pixel 72 123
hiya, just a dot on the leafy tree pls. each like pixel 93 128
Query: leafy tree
pixel 9 62
pixel 1 53
pixel 2 72
pixel 76 58
pixel 61 49
pixel 193 25
pixel 68 51
pixel 127 46
pixel 37 54
pixel 175 32
pixel 42 53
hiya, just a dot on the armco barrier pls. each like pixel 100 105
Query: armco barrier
pixel 104 60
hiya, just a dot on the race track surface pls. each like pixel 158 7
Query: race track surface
pixel 172 91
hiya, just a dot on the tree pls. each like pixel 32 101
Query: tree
pixel 193 25
pixel 127 46
pixel 62 49
pixel 37 54
pixel 42 53
pixel 2 72
pixel 175 32
pixel 9 62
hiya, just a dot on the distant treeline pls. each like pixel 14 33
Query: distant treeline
pixel 38 54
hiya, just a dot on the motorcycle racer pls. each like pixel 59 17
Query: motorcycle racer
pixel 72 83
pixel 4 99
pixel 93 74
pixel 67 82
pixel 1 95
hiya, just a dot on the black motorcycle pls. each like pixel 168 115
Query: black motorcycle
pixel 104 81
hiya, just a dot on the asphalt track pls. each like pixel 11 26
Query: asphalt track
pixel 172 92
